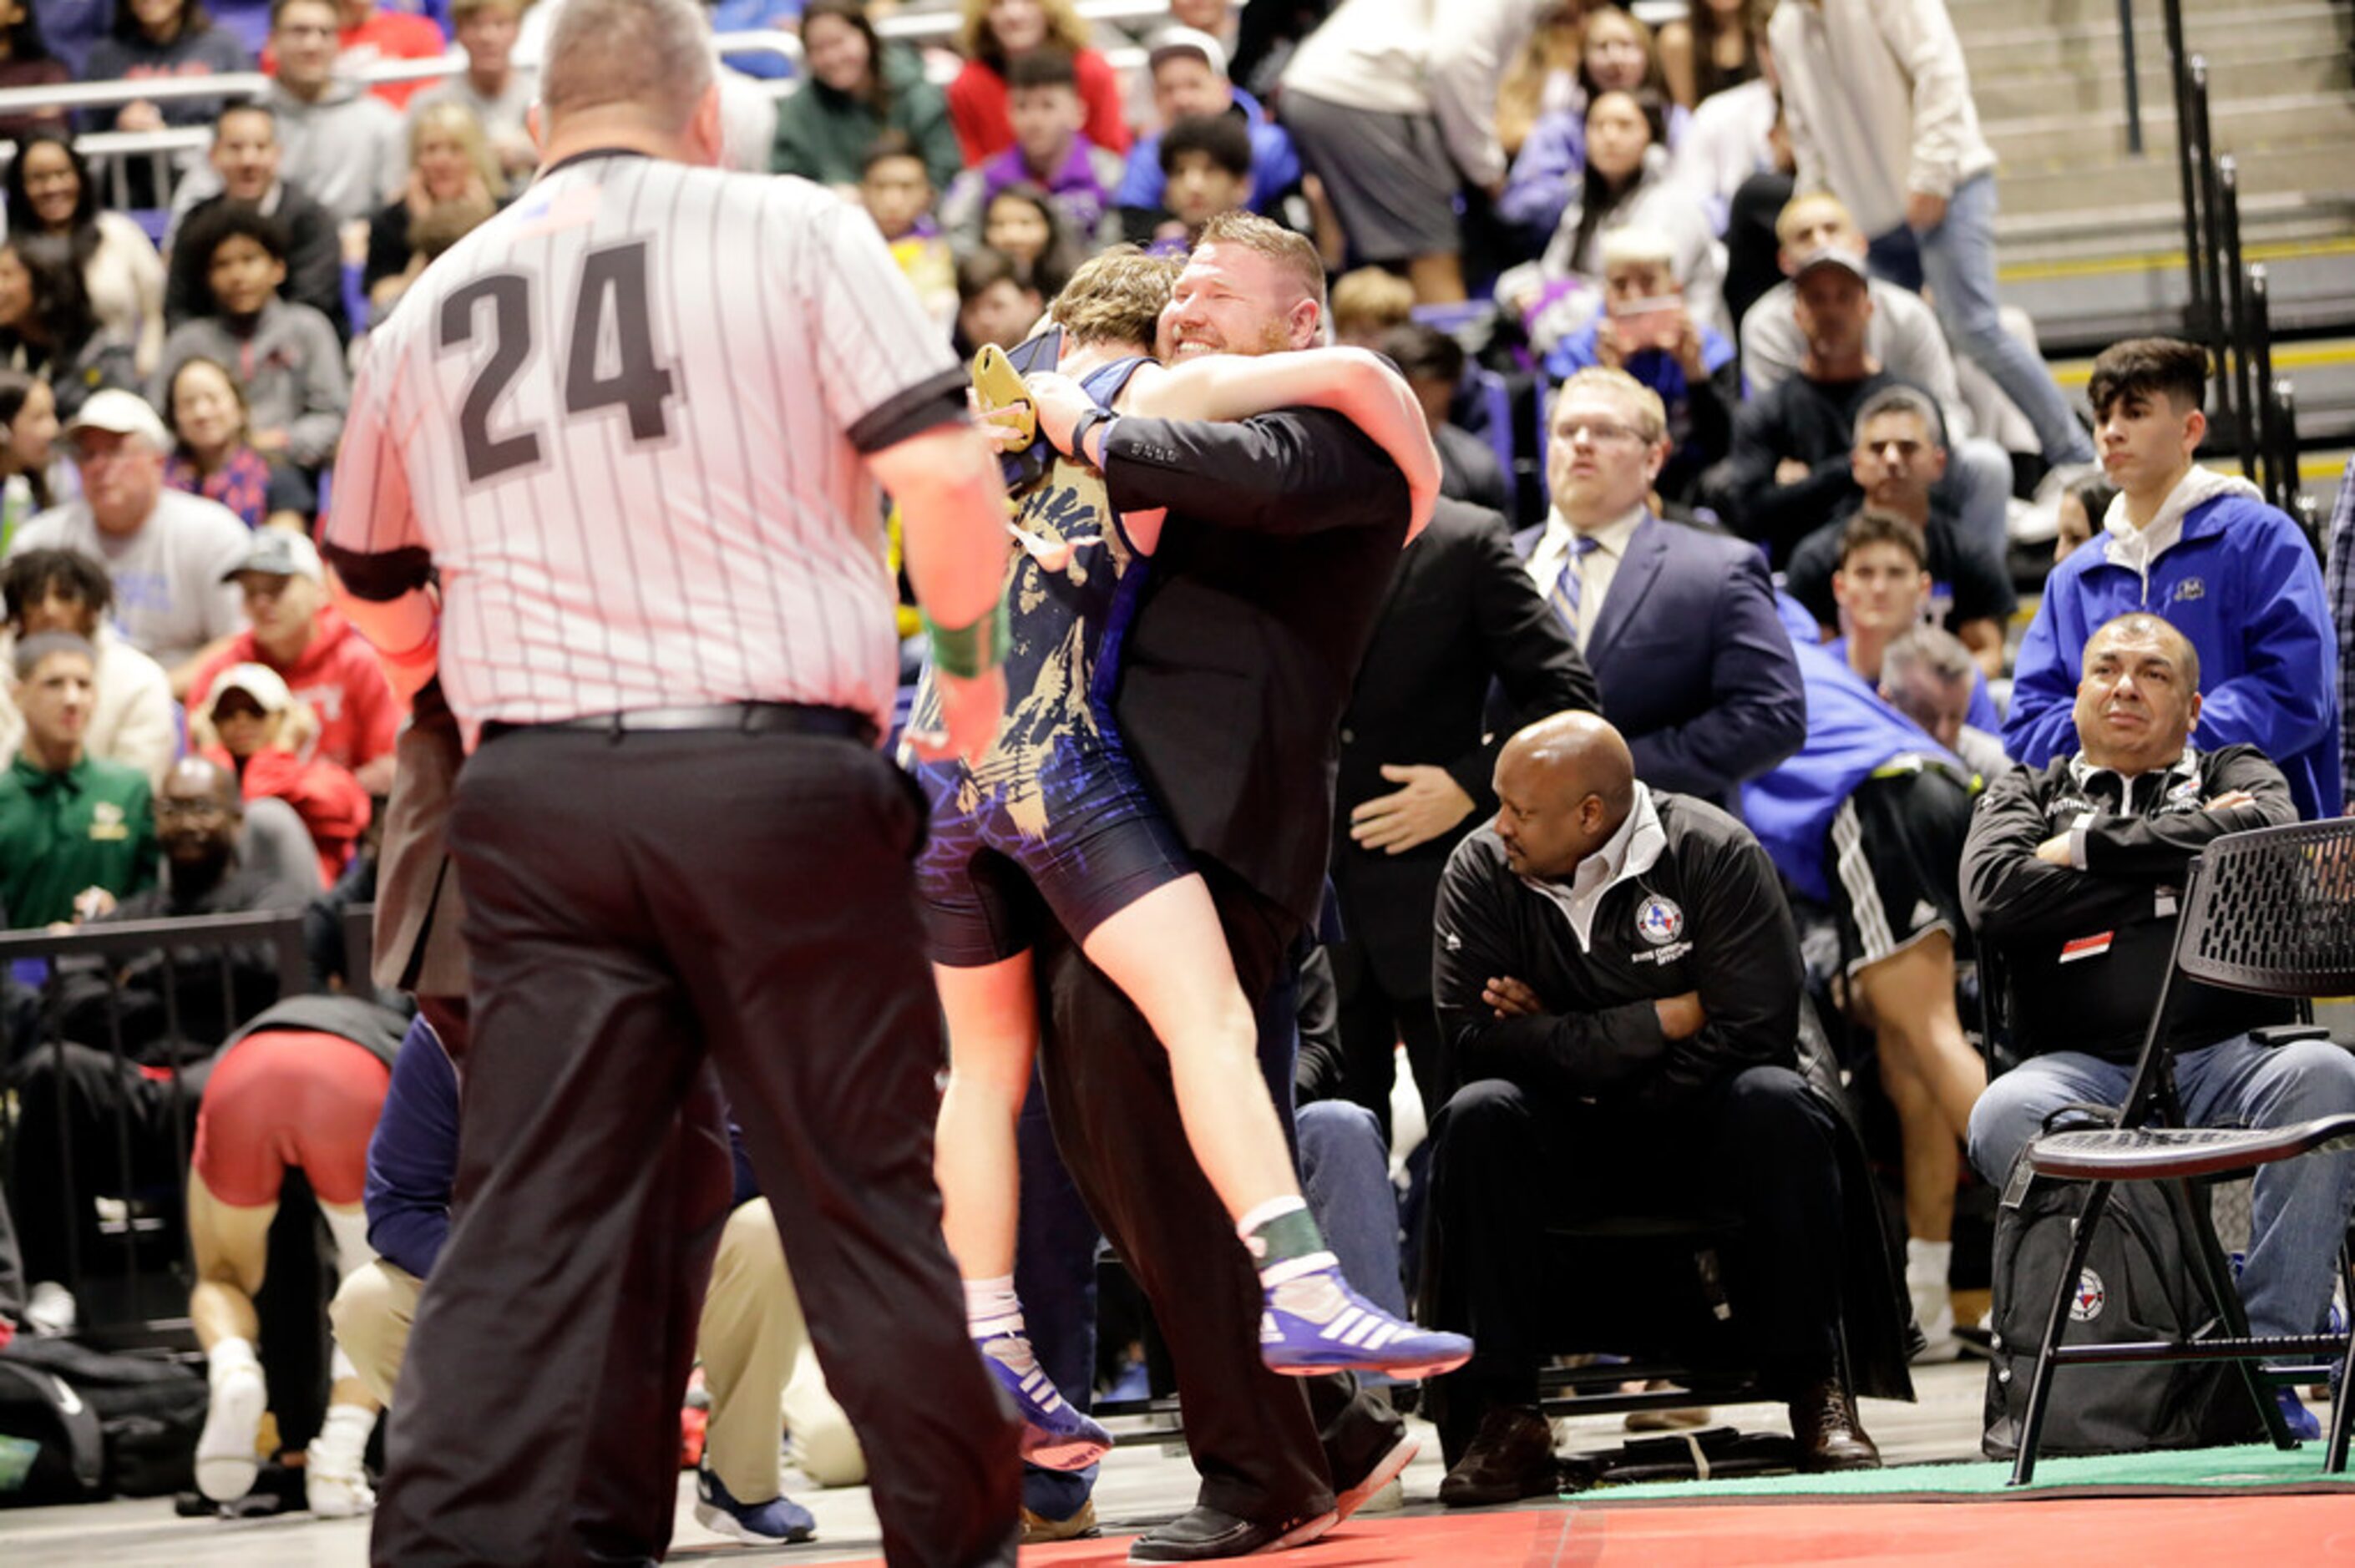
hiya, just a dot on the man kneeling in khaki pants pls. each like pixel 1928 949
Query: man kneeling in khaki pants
pixel 758 1366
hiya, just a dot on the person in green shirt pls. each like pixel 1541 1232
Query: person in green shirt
pixel 76 832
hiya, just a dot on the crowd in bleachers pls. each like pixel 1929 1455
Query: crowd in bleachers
pixel 1662 295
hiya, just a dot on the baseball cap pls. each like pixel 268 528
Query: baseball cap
pixel 279 553
pixel 124 414
pixel 1187 41
pixel 260 682
pixel 1833 256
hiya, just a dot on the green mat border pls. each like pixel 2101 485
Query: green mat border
pixel 1735 1491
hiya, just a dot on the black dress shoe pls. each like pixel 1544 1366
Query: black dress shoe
pixel 1824 1423
pixel 1207 1535
pixel 1509 1457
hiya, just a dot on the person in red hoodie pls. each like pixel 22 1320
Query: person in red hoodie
pixel 252 726
pixel 995 32
pixel 306 641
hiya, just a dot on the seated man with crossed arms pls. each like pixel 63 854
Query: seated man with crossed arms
pixel 2071 874
pixel 1618 972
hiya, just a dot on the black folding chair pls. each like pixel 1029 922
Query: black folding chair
pixel 2270 912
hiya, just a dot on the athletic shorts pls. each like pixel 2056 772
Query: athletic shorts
pixel 289 1096
pixel 1896 863
pixel 1092 843
pixel 1388 175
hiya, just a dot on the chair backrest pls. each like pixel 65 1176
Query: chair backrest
pixel 2273 911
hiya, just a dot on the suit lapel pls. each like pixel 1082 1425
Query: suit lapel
pixel 1646 548
pixel 1409 562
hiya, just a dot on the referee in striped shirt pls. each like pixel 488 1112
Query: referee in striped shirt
pixel 634 426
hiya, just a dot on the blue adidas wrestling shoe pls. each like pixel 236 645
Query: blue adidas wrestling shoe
pixel 764 1524
pixel 1055 1436
pixel 1315 1323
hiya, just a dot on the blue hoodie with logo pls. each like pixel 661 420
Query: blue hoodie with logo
pixel 2242 584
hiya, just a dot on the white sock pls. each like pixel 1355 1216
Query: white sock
pixel 991 1307
pixel 1926 1261
pixel 343 1437
pixel 228 1356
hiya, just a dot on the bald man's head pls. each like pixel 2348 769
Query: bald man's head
pixel 198 814
pixel 1564 785
pixel 2138 697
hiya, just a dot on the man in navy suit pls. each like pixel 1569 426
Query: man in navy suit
pixel 1677 624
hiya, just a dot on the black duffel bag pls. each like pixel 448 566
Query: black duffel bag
pixel 101 1425
pixel 2138 1284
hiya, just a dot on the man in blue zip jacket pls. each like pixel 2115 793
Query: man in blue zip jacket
pixel 2200 550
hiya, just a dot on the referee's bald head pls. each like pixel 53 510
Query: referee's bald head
pixel 650 57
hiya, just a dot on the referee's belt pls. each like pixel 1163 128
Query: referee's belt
pixel 737 718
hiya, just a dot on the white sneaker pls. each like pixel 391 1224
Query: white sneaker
pixel 50 1313
pixel 227 1456
pixel 332 1496
pixel 334 1473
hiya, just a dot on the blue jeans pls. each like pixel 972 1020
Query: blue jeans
pixel 1345 1174
pixel 1958 264
pixel 2298 1208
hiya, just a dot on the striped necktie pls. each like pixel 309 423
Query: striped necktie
pixel 1568 585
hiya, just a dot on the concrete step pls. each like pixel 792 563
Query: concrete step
pixel 2244 74
pixel 2290 218
pixel 2296 29
pixel 1976 17
pixel 2060 183
pixel 2088 141
pixel 2080 308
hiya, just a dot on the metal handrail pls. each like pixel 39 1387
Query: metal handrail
pixel 243 84
pixel 2258 331
pixel 943 24
pixel 130 938
pixel 2228 308
pixel 2133 84
pixel 2236 377
pixel 209 940
pixel 2187 138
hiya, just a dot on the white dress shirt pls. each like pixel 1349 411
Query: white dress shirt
pixel 1595 571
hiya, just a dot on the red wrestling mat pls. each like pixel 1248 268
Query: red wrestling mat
pixel 2176 1532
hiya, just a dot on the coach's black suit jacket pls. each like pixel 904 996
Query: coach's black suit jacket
pixel 1282 534
pixel 1461 611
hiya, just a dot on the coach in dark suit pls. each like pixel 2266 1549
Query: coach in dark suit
pixel 1282 537
pixel 1677 624
pixel 1460 614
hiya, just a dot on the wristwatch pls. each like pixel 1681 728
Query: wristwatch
pixel 1087 422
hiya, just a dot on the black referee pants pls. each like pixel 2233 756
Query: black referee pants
pixel 635 904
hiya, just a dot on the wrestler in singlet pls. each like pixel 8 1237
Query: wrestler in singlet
pixel 1056 804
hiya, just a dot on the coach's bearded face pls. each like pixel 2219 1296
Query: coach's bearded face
pixel 1230 299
